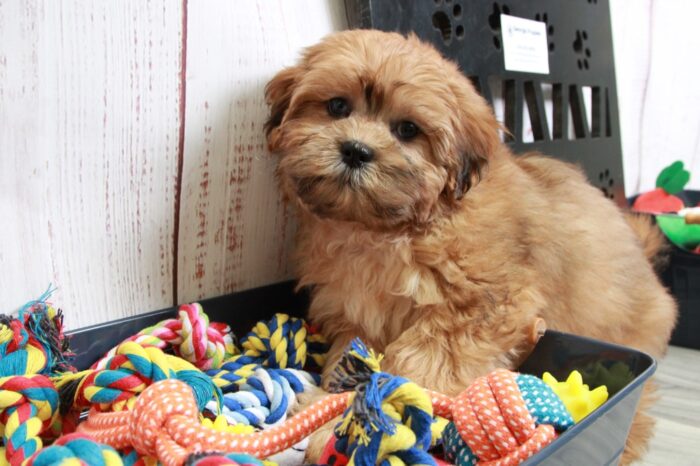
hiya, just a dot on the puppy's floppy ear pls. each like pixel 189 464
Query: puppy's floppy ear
pixel 278 93
pixel 476 139
pixel 469 174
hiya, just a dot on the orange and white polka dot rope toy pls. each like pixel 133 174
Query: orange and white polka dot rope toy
pixel 502 419
pixel 164 423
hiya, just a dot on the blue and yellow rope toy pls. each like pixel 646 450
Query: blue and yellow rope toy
pixel 389 420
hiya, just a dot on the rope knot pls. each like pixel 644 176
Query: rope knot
pixel 72 447
pixel 158 404
pixel 125 375
pixel 128 373
pixel 284 342
pixel 31 348
pixel 388 418
pixel 203 344
pixel 503 418
pixel 191 336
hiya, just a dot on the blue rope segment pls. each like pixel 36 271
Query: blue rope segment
pixel 265 398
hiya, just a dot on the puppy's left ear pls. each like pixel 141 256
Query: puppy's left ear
pixel 278 94
pixel 476 139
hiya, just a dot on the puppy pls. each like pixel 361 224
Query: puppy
pixel 421 233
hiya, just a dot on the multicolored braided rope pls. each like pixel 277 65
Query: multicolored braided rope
pixel 266 397
pixel 191 336
pixel 389 418
pixel 76 450
pixel 260 385
pixel 126 374
pixel 31 348
pixel 164 423
pixel 284 342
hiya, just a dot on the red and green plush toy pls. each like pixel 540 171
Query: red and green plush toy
pixel 670 181
pixel 680 223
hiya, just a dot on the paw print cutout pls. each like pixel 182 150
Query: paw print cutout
pixel 581 49
pixel 494 20
pixel 550 29
pixel 447 20
pixel 606 184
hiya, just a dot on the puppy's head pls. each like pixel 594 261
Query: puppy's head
pixel 376 128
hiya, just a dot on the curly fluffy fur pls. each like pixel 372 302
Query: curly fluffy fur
pixel 444 249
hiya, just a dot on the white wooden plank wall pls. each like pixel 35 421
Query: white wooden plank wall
pixel 91 112
pixel 235 232
pixel 657 66
pixel 89 121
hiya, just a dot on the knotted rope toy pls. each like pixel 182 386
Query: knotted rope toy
pixel 261 397
pixel 31 348
pixel 503 419
pixel 389 419
pixel 266 397
pixel 285 342
pixel 76 450
pixel 164 422
pixel 191 336
pixel 147 404
pixel 128 373
pixel 261 384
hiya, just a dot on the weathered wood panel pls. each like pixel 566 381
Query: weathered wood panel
pixel 235 233
pixel 659 98
pixel 89 121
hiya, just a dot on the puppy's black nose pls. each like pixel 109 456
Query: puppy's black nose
pixel 355 153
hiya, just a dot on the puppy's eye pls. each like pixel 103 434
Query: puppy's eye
pixel 338 107
pixel 406 130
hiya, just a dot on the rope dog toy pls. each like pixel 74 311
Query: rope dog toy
pixel 389 418
pixel 127 374
pixel 263 396
pixel 164 423
pixel 285 342
pixel 502 419
pixel 76 450
pixel 266 397
pixel 31 348
pixel 148 405
pixel 191 336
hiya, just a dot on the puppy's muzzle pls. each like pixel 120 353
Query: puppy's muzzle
pixel 355 154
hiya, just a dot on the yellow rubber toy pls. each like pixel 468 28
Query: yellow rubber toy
pixel 577 397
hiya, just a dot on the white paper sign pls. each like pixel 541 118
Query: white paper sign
pixel 524 45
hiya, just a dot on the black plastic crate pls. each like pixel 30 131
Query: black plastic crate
pixel 579 36
pixel 597 440
pixel 682 277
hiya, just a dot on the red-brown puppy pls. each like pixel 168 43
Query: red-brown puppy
pixel 421 233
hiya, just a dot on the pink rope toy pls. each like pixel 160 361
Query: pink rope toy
pixel 191 336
